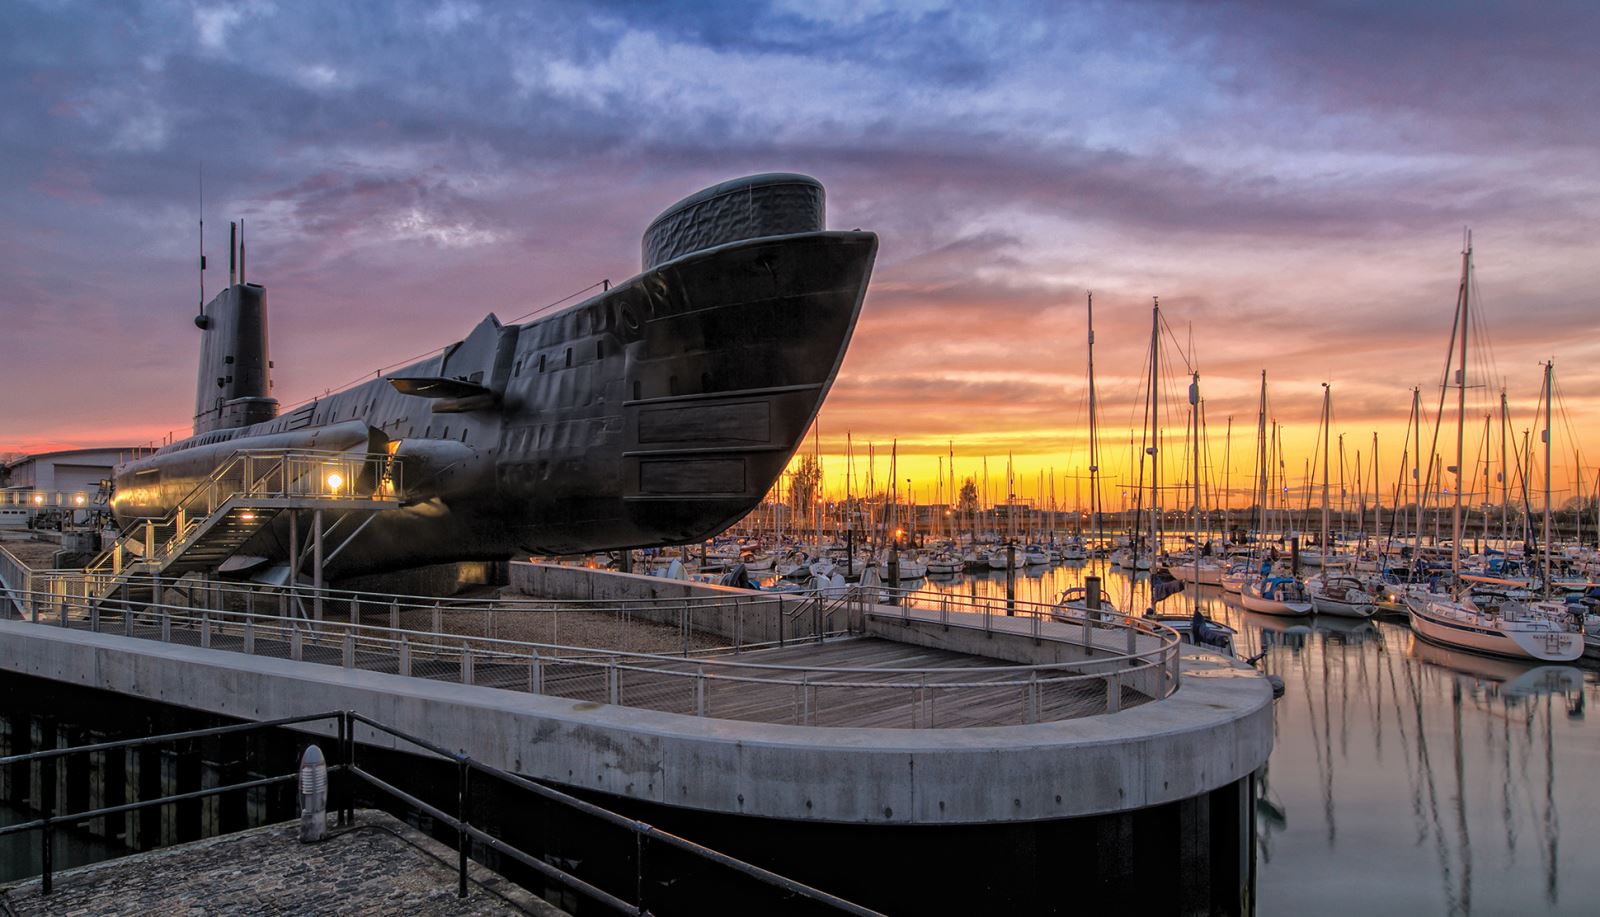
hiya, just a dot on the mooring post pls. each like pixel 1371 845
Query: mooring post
pixel 894 573
pixel 1011 579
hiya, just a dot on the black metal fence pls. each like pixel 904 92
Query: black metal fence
pixel 659 873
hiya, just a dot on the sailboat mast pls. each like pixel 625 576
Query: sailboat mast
pixel 1261 459
pixel 1155 432
pixel 1549 369
pixel 1094 440
pixel 1505 475
pixel 1416 461
pixel 1194 449
pixel 1461 412
pixel 1377 495
pixel 1322 538
pixel 1227 456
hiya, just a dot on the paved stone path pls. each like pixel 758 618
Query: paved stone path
pixel 380 866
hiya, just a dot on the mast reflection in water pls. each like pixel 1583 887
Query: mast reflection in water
pixel 1405 778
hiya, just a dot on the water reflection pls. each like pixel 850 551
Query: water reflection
pixel 1406 778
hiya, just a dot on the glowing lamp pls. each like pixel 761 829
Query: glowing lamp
pixel 335 481
pixel 38 499
pixel 78 499
pixel 247 517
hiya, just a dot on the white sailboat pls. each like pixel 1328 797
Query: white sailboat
pixel 1497 627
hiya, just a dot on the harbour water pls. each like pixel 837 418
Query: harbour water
pixel 1405 778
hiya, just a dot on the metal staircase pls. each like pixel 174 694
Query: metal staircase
pixel 238 500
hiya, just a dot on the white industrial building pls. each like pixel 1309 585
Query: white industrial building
pixel 67 483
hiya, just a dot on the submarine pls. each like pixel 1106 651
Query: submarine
pixel 657 412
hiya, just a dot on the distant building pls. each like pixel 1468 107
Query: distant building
pixel 67 484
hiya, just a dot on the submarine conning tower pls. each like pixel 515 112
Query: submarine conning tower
pixel 234 388
pixel 771 204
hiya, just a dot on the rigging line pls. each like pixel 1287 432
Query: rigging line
pixel 1187 362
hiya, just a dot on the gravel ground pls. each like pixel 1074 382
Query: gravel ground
pixel 36 554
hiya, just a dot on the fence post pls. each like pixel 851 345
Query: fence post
pixel 613 682
pixel 438 617
pixel 1114 692
pixel 805 698
pixel 394 615
pixel 404 665
pixel 349 650
pixel 1133 634
pixel 355 610
pixel 536 674
pixel 249 636
pixel 166 626
pixel 294 644
pixel 1031 715
pixel 466 665
pixel 205 629
pixel 700 691
pixel 47 771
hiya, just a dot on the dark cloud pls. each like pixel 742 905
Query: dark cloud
pixel 1290 179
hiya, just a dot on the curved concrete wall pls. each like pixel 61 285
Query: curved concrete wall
pixel 1215 730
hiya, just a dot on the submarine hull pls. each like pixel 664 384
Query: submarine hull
pixel 658 412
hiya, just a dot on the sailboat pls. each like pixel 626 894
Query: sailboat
pixel 1495 626
pixel 1333 593
pixel 1076 602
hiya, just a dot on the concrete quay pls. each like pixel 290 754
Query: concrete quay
pixel 1213 731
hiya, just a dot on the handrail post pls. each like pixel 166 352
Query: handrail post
pixel 462 841
pixel 346 727
pixel 403 665
pixel 47 837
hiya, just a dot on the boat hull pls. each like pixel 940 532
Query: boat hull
pixel 1540 645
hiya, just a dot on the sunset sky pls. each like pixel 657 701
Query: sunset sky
pixel 1292 183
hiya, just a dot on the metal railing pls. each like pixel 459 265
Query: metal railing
pixel 267 475
pixel 1119 663
pixel 343 724
pixel 16 582
pixel 49 821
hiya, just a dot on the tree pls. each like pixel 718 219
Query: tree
pixel 804 484
pixel 967 502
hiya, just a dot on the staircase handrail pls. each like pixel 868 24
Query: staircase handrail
pixel 254 485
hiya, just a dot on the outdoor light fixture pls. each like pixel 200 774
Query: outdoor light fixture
pixel 78 499
pixel 38 498
pixel 334 481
